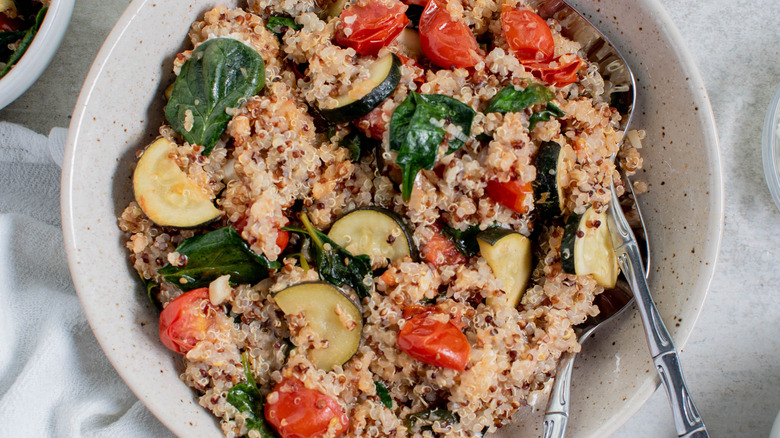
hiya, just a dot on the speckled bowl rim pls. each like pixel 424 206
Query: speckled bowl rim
pixel 78 255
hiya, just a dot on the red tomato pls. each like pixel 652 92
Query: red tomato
pixel 298 412
pixel 282 236
pixel 440 251
pixel 412 63
pixel 9 24
pixel 445 42
pixel 184 321
pixel 511 194
pixel 558 76
pixel 373 124
pixel 416 2
pixel 527 34
pixel 431 341
pixel 371 27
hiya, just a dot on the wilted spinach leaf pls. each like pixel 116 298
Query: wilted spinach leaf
pixel 335 264
pixel 214 254
pixel 279 24
pixel 425 419
pixel 544 115
pixel 150 286
pixel 465 241
pixel 384 394
pixel 417 130
pixel 358 144
pixel 25 42
pixel 511 100
pixel 219 74
pixel 246 398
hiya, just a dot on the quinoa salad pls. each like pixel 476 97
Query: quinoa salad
pixel 377 218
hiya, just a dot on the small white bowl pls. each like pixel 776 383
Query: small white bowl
pixel 771 146
pixel 39 54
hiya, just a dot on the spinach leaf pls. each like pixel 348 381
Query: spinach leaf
pixel 425 419
pixel 279 24
pixel 150 286
pixel 465 241
pixel 25 42
pixel 246 398
pixel 511 100
pixel 417 131
pixel 335 264
pixel 220 73
pixel 384 394
pixel 433 300
pixel 354 141
pixel 214 254
pixel 544 115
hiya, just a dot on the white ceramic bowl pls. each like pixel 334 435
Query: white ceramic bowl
pixel 771 147
pixel 39 54
pixel 120 109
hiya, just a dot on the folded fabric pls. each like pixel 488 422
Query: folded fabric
pixel 54 378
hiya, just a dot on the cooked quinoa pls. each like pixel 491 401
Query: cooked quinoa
pixel 275 160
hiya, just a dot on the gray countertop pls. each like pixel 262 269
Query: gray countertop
pixel 732 357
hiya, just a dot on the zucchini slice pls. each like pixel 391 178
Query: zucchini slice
pixel 165 193
pixel 508 254
pixel 384 75
pixel 321 304
pixel 586 248
pixel 376 232
pixel 548 191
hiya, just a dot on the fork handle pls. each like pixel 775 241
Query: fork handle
pixel 687 420
pixel 557 412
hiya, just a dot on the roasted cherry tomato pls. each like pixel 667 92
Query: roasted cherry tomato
pixel 440 251
pixel 185 320
pixel 528 35
pixel 445 42
pixel 373 124
pixel 511 194
pixel 558 76
pixel 299 412
pixel 9 24
pixel 431 341
pixel 369 28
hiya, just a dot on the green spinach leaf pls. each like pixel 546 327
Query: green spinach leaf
pixel 358 144
pixel 384 394
pixel 425 419
pixel 246 398
pixel 465 241
pixel 544 115
pixel 511 100
pixel 335 264
pixel 150 286
pixel 279 24
pixel 24 44
pixel 214 254
pixel 220 73
pixel 417 129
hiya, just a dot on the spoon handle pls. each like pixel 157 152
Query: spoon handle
pixel 687 420
pixel 557 413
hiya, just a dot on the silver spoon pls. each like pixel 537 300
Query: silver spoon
pixel 615 70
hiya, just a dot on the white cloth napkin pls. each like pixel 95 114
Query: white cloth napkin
pixel 55 380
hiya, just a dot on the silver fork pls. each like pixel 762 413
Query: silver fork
pixel 613 67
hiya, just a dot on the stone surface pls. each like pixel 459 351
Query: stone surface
pixel 731 359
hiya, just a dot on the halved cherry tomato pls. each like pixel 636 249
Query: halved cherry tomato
pixel 445 42
pixel 558 76
pixel 440 251
pixel 9 24
pixel 511 194
pixel 369 28
pixel 411 62
pixel 432 341
pixel 416 2
pixel 527 34
pixel 185 320
pixel 299 412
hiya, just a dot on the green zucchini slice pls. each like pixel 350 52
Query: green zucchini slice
pixel 509 255
pixel 384 75
pixel 548 191
pixel 321 304
pixel 165 193
pixel 376 232
pixel 586 248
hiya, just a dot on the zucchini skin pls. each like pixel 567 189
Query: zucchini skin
pixel 365 104
pixel 546 198
pixel 567 243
